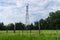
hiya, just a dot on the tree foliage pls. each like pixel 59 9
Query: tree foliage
pixel 52 22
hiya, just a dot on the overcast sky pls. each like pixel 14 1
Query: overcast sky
pixel 12 11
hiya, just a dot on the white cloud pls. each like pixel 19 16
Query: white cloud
pixel 12 11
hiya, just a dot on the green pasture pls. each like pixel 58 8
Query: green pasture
pixel 34 35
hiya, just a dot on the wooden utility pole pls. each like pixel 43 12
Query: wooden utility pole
pixel 39 27
pixel 15 28
pixel 6 29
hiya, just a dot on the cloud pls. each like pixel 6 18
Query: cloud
pixel 12 11
pixel 7 3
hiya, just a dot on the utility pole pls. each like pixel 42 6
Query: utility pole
pixel 6 29
pixel 15 28
pixel 39 27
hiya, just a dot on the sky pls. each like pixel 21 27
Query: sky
pixel 12 11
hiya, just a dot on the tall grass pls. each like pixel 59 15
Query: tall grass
pixel 44 35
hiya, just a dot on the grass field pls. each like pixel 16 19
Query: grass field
pixel 25 35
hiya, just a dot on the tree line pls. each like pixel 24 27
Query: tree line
pixel 52 22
